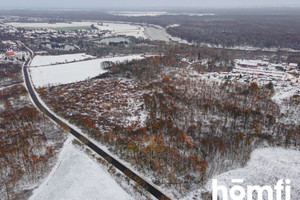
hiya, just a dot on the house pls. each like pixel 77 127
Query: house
pixel 293 65
pixel 263 64
pixel 10 53
pixel 246 63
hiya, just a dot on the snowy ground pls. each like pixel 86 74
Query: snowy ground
pixel 285 92
pixel 122 29
pixel 266 167
pixel 77 176
pixel 137 14
pixel 50 60
pixel 72 72
pixel 153 14
pixel 154 33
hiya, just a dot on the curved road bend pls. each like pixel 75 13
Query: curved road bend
pixel 128 172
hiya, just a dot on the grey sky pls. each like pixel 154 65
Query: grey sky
pixel 141 3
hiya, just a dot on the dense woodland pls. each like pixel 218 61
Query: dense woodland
pixel 194 128
pixel 229 31
pixel 28 141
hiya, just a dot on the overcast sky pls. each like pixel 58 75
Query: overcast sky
pixel 96 4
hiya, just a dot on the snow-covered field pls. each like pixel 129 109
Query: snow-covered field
pixel 72 72
pixel 77 176
pixel 152 14
pixel 122 29
pixel 51 60
pixel 266 167
pixel 137 14
pixel 193 14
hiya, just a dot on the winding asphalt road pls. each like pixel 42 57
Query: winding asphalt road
pixel 128 172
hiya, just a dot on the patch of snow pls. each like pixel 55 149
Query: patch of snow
pixel 154 33
pixel 77 176
pixel 50 60
pixel 72 72
pixel 284 93
pixel 266 167
pixel 172 26
pixel 122 29
pixel 2 107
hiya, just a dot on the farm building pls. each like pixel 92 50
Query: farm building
pixel 10 53
pixel 263 64
pixel 293 66
pixel 246 63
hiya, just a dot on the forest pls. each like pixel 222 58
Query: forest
pixel 29 142
pixel 230 31
pixel 178 127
